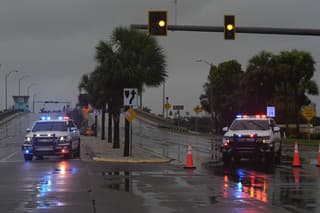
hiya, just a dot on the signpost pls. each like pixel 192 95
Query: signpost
pixel 130 99
pixel 308 113
pixel 271 111
pixel 167 106
pixel 197 110
pixel 177 107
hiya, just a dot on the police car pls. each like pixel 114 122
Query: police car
pixel 48 136
pixel 256 137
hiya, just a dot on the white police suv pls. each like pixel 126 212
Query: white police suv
pixel 256 137
pixel 59 136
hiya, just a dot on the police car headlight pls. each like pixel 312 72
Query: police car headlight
pixel 27 139
pixel 63 138
pixel 266 139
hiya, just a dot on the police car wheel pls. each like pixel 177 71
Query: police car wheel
pixel 226 158
pixel 69 155
pixel 28 157
pixel 78 151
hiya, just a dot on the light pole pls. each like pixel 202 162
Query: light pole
pixel 34 96
pixel 204 61
pixel 6 89
pixel 29 88
pixel 23 77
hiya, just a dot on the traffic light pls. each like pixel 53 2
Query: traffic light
pixel 229 27
pixel 158 24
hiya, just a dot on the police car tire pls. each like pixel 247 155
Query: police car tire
pixel 28 157
pixel 78 150
pixel 226 158
pixel 69 155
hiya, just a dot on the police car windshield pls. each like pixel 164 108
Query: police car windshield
pixel 50 126
pixel 250 125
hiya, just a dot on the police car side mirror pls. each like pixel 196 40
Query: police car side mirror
pixel 73 129
pixel 28 130
pixel 276 129
pixel 225 129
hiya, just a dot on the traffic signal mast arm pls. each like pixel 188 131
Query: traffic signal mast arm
pixel 249 30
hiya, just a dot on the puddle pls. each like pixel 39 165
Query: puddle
pixel 119 180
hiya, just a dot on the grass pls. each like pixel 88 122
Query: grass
pixel 311 142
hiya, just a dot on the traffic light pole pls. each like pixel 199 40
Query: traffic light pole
pixel 249 30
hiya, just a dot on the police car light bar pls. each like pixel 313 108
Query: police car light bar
pixel 45 118
pixel 246 116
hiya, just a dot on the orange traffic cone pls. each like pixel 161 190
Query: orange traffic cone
pixel 296 156
pixel 296 175
pixel 189 164
pixel 318 164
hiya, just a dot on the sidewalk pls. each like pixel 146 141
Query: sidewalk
pixel 101 150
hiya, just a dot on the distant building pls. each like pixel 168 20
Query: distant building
pixel 21 103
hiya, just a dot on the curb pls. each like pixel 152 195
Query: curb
pixel 113 160
pixel 93 156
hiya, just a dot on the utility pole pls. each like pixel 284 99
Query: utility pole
pixel 6 89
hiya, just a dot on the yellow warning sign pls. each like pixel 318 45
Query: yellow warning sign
pixel 308 113
pixel 197 109
pixel 167 106
pixel 130 114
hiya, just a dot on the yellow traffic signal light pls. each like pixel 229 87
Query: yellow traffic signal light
pixel 158 23
pixel 229 27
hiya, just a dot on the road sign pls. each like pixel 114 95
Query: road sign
pixel 167 106
pixel 130 97
pixel 271 111
pixel 130 114
pixel 197 109
pixel 177 107
pixel 308 113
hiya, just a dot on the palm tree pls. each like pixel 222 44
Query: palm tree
pixel 297 70
pixel 131 59
pixel 97 96
pixel 258 81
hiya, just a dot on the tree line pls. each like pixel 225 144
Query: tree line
pixel 282 80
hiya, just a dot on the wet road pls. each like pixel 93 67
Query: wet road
pixel 81 185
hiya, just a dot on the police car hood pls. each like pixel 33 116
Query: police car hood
pixel 47 133
pixel 260 133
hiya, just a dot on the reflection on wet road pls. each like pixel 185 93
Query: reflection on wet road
pixel 294 189
pixel 44 186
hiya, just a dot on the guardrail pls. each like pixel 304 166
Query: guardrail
pixel 162 122
pixel 7 113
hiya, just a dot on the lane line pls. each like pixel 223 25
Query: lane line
pixel 9 156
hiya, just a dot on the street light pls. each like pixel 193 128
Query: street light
pixel 6 90
pixel 34 96
pixel 23 77
pixel 30 87
pixel 204 61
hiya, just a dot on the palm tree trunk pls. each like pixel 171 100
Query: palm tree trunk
pixel 116 138
pixel 103 118
pixel 109 126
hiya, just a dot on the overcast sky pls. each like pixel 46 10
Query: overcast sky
pixel 53 41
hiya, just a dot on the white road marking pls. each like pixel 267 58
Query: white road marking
pixel 9 156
